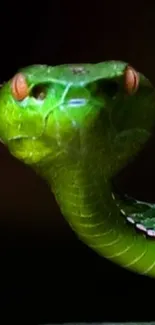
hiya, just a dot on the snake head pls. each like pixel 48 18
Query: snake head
pixel 44 110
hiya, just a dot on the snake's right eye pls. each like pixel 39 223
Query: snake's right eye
pixel 39 92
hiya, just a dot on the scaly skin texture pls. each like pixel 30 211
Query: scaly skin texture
pixel 77 137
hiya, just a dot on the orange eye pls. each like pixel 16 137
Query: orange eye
pixel 131 80
pixel 19 87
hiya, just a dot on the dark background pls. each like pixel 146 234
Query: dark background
pixel 46 274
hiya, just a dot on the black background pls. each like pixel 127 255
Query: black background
pixel 46 274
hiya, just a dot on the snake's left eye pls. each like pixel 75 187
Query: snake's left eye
pixel 19 87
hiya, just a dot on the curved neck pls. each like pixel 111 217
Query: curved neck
pixel 81 185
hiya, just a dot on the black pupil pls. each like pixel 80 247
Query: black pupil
pixel 39 92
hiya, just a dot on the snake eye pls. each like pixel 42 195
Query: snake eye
pixel 39 92
pixel 19 87
pixel 131 80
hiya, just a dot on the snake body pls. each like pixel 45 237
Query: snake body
pixel 77 126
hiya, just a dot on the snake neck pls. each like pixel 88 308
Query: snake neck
pixel 81 182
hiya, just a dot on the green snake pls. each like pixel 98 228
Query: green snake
pixel 77 126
